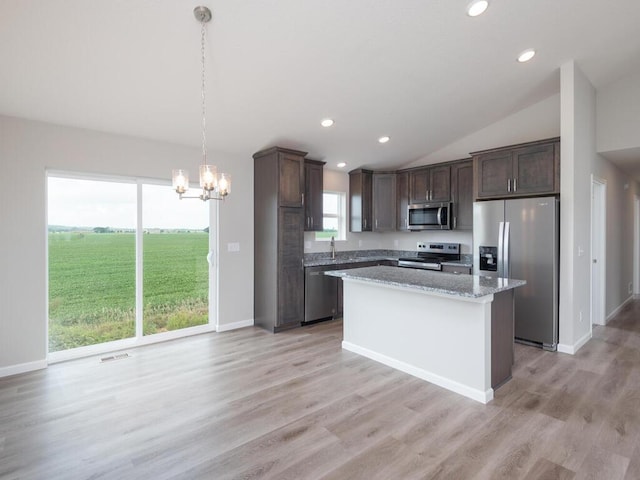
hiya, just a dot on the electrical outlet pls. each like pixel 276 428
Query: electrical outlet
pixel 233 247
pixel 630 287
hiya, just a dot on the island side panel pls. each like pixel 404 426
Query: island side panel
pixel 445 340
pixel 502 332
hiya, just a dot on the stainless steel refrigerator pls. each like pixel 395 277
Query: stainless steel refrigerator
pixel 520 238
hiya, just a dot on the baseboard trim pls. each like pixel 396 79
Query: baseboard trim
pixel 234 325
pixel 22 368
pixel 619 309
pixel 472 393
pixel 572 349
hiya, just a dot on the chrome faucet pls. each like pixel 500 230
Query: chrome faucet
pixel 333 248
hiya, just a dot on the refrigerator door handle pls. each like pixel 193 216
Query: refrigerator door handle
pixel 500 250
pixel 506 252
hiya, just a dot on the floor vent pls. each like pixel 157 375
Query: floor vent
pixel 110 358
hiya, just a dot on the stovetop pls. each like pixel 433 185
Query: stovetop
pixel 435 253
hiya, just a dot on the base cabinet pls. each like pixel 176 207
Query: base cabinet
pixel 323 294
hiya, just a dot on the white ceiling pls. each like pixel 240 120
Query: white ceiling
pixel 421 71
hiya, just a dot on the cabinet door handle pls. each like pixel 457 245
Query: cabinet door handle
pixel 509 185
pixel 515 184
pixel 376 223
pixel 302 196
pixel 311 222
pixel 455 222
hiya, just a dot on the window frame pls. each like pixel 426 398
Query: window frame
pixel 341 217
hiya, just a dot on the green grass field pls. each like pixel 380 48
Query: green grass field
pixel 92 285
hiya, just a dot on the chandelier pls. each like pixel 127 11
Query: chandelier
pixel 214 185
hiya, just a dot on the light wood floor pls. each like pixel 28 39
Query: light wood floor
pixel 249 404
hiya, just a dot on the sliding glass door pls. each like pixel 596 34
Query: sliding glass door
pixel 126 260
pixel 92 262
pixel 175 245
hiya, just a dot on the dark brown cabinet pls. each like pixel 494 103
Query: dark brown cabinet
pixel 360 200
pixel 313 186
pixel 430 184
pixel 384 201
pixel 278 238
pixel 402 201
pixel 462 195
pixel 518 170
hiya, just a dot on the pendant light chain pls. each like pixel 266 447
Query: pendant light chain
pixel 214 185
pixel 204 122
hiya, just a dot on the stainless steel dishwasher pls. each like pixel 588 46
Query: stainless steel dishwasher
pixel 320 293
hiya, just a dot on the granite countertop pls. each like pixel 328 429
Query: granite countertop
pixel 359 256
pixel 471 286
pixel 343 260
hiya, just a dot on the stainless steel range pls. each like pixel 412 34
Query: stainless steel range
pixel 429 256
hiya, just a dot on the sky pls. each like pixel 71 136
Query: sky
pixel 90 203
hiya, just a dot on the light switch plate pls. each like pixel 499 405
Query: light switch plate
pixel 233 247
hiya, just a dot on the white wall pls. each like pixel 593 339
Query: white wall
pixel 579 161
pixel 541 120
pixel 621 190
pixel 27 149
pixel 619 115
pixel 578 154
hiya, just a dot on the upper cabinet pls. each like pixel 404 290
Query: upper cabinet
pixel 402 201
pixel 360 200
pixel 462 194
pixel 291 178
pixel 430 184
pixel 519 170
pixel 384 201
pixel 313 187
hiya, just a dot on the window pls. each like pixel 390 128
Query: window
pixel 334 206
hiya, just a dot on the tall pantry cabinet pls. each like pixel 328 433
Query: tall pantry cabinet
pixel 279 216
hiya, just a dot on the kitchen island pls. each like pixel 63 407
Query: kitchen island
pixel 455 331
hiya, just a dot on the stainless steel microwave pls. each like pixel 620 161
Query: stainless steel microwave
pixel 430 216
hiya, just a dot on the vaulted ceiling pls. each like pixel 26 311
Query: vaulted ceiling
pixel 421 71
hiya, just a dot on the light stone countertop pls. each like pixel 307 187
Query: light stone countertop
pixel 343 260
pixel 470 286
pixel 360 256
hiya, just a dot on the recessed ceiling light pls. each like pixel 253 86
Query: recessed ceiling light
pixel 477 7
pixel 384 139
pixel 526 55
pixel 341 165
pixel 327 122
